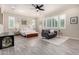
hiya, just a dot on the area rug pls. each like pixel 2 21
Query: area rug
pixel 57 40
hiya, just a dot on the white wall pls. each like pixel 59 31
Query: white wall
pixel 1 17
pixel 72 30
pixel 39 24
pixel 18 18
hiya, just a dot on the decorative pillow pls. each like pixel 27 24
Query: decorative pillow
pixel 52 31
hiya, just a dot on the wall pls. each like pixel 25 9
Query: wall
pixel 39 24
pixel 71 30
pixel 1 17
pixel 18 18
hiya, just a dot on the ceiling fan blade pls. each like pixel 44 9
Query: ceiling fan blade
pixel 34 5
pixel 42 9
pixel 38 7
pixel 41 5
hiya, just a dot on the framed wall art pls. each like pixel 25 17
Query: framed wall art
pixel 74 20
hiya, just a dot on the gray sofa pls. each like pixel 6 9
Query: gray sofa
pixel 47 34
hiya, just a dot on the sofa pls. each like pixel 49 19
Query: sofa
pixel 46 33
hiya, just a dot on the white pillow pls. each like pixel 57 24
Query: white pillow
pixel 52 31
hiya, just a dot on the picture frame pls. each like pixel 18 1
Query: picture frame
pixel 74 20
pixel 24 22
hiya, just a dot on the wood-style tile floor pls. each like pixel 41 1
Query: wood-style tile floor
pixel 35 46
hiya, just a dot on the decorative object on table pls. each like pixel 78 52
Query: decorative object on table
pixel 74 20
pixel 6 40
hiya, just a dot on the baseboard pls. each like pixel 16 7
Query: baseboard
pixel 74 38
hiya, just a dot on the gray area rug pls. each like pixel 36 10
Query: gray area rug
pixel 57 40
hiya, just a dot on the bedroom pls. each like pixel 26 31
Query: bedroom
pixel 27 20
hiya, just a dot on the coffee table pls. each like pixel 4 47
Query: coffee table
pixel 6 40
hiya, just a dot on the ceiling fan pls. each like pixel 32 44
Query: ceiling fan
pixel 38 7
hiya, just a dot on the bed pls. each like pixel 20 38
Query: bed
pixel 28 32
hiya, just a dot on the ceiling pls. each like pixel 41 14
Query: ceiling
pixel 29 10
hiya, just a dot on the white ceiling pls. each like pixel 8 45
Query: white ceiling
pixel 29 10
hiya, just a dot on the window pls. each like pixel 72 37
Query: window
pixel 52 22
pixel 55 22
pixel 62 21
pixel 48 22
pixel 44 23
pixel 11 22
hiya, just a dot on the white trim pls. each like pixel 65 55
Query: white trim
pixel 74 38
pixel 1 28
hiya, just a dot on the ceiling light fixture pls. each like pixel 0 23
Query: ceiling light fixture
pixel 38 7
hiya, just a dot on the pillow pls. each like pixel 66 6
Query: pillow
pixel 52 31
